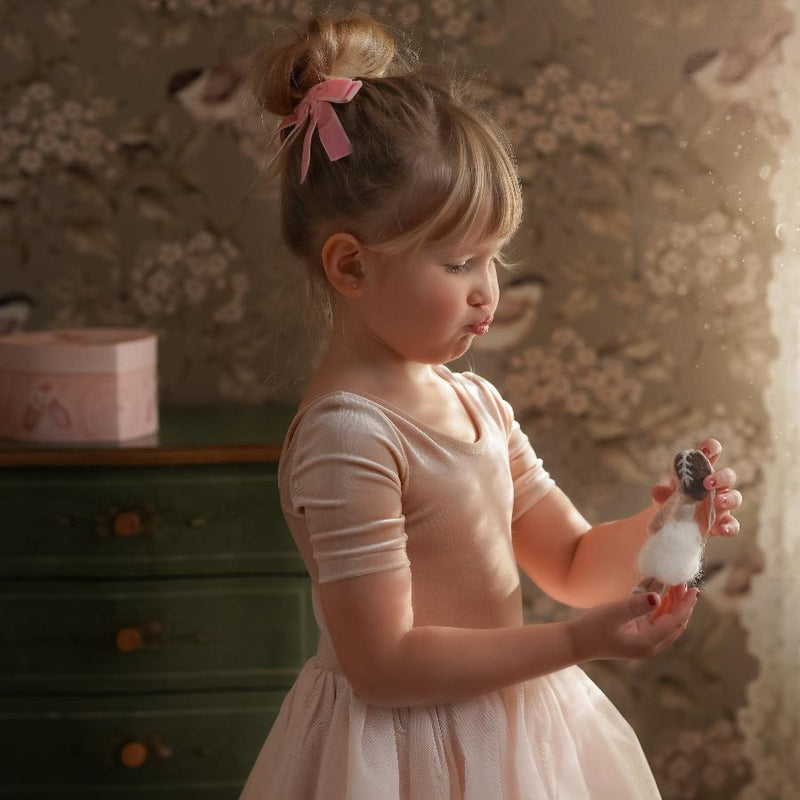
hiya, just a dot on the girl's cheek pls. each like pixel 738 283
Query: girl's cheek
pixel 423 302
pixel 442 309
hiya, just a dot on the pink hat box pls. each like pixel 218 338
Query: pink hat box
pixel 78 385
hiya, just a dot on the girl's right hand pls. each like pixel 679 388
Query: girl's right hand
pixel 622 629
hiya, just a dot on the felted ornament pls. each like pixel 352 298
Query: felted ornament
pixel 673 552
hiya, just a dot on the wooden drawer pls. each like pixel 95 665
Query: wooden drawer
pixel 137 521
pixel 154 635
pixel 196 746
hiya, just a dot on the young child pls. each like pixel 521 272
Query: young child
pixel 410 490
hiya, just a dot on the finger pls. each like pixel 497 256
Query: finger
pixel 724 478
pixel 680 618
pixel 664 625
pixel 679 626
pixel 727 526
pixel 664 631
pixel 728 500
pixel 637 605
pixel 652 585
pixel 679 631
pixel 683 610
pixel 660 492
pixel 712 448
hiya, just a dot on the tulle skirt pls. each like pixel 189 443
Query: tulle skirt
pixel 557 737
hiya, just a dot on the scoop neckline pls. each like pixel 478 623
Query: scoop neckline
pixel 467 402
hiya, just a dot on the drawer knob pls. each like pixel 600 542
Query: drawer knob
pixel 133 754
pixel 127 523
pixel 129 639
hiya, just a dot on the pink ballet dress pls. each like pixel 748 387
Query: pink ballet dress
pixel 364 488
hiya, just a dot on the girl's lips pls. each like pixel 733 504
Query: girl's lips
pixel 481 327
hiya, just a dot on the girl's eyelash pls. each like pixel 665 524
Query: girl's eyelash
pixel 456 268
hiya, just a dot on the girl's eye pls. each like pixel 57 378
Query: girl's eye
pixel 456 268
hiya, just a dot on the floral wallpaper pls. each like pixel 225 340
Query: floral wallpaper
pixel 130 195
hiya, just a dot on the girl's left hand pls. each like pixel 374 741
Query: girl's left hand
pixel 727 498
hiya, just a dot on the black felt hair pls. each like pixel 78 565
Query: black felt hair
pixel 692 467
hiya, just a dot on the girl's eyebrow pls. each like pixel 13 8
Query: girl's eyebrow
pixel 451 249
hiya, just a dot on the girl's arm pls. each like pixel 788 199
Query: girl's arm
pixel 576 563
pixel 393 664
pixel 604 565
pixel 545 538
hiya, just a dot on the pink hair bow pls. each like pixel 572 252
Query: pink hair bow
pixel 316 105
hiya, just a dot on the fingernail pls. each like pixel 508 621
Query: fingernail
pixel 727 529
pixel 711 483
pixel 652 599
pixel 706 451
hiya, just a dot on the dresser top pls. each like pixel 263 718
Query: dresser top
pixel 188 434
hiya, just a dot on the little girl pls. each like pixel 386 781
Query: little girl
pixel 410 490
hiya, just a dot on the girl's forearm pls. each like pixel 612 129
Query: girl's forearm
pixel 603 566
pixel 436 664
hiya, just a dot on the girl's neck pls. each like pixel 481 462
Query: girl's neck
pixel 373 363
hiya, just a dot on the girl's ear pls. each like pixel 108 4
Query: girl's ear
pixel 343 259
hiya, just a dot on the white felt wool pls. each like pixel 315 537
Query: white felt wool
pixel 672 555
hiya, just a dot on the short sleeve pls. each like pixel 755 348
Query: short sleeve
pixel 347 475
pixel 531 480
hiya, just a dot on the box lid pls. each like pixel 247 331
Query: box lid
pixel 79 350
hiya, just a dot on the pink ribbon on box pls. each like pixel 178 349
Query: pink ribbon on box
pixel 316 106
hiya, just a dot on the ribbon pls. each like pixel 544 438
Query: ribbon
pixel 316 107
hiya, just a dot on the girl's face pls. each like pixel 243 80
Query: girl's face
pixel 423 308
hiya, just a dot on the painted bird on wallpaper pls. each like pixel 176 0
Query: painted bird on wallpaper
pixel 723 74
pixel 215 94
pixel 515 316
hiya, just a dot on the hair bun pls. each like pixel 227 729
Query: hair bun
pixel 356 46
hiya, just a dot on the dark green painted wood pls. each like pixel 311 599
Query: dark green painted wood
pixel 69 747
pixel 204 519
pixel 198 425
pixel 216 566
pixel 221 633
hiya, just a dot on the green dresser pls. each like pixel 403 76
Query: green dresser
pixel 154 610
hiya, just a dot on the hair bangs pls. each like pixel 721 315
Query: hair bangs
pixel 466 192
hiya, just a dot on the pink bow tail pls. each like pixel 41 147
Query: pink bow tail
pixel 331 133
pixel 316 106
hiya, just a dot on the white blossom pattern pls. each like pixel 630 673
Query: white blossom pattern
pixel 42 129
pixel 568 377
pixel 168 274
pixel 694 763
pixel 703 260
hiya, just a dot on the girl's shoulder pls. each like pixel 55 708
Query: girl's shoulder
pixel 335 416
pixel 490 398
pixel 339 422
pixel 336 435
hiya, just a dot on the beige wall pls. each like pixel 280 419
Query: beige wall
pixel 636 328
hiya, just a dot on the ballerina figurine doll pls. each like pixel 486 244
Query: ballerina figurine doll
pixel 673 552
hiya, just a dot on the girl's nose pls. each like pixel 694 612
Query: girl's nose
pixel 483 292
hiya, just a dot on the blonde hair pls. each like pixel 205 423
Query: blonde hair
pixel 427 160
